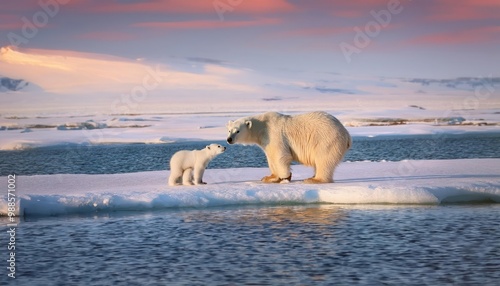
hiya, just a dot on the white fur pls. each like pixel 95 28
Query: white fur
pixel 190 165
pixel 314 139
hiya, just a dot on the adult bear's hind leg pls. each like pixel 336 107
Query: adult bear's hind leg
pixel 323 173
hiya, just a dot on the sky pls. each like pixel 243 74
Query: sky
pixel 251 45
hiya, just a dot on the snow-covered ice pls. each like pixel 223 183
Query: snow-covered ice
pixel 165 128
pixel 405 182
pixel 97 108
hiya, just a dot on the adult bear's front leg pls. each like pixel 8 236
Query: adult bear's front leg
pixel 271 179
pixel 279 162
pixel 275 179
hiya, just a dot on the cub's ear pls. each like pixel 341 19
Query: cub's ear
pixel 208 147
pixel 229 123
pixel 249 124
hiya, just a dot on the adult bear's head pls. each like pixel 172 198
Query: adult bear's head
pixel 239 131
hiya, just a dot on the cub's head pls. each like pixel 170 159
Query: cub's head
pixel 215 149
pixel 239 131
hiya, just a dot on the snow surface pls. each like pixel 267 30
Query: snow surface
pixel 85 98
pixel 165 128
pixel 405 182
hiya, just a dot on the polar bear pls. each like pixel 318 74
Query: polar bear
pixel 186 163
pixel 315 139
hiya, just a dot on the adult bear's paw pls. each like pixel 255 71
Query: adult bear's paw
pixel 271 179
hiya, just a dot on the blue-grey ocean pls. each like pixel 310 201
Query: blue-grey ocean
pixel 315 244
pixel 125 158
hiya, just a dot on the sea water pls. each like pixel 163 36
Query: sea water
pixel 273 245
pixel 256 245
pixel 125 158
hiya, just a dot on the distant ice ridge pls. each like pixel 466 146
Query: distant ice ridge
pixel 407 182
pixel 12 84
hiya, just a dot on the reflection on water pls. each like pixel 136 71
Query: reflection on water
pixel 315 215
pixel 280 245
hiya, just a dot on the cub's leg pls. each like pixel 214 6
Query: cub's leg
pixel 175 175
pixel 198 175
pixel 187 177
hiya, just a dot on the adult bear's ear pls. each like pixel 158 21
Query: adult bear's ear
pixel 230 123
pixel 249 124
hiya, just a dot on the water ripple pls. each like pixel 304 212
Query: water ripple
pixel 298 245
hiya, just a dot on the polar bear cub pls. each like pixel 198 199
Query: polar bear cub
pixel 190 165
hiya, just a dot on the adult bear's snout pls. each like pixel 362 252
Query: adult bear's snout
pixel 229 140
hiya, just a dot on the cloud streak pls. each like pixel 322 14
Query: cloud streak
pixel 274 35
pixel 206 24
pixel 458 83
pixel 258 7
pixel 470 36
pixel 464 10
pixel 108 36
pixel 10 22
pixel 207 61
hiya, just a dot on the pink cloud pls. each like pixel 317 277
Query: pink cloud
pixel 10 22
pixel 345 9
pixel 189 7
pixel 10 26
pixel 459 10
pixel 472 36
pixel 317 31
pixel 13 23
pixel 442 10
pixel 20 6
pixel 265 6
pixel 206 24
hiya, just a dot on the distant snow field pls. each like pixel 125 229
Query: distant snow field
pixel 405 182
pixel 52 97
pixel 20 132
